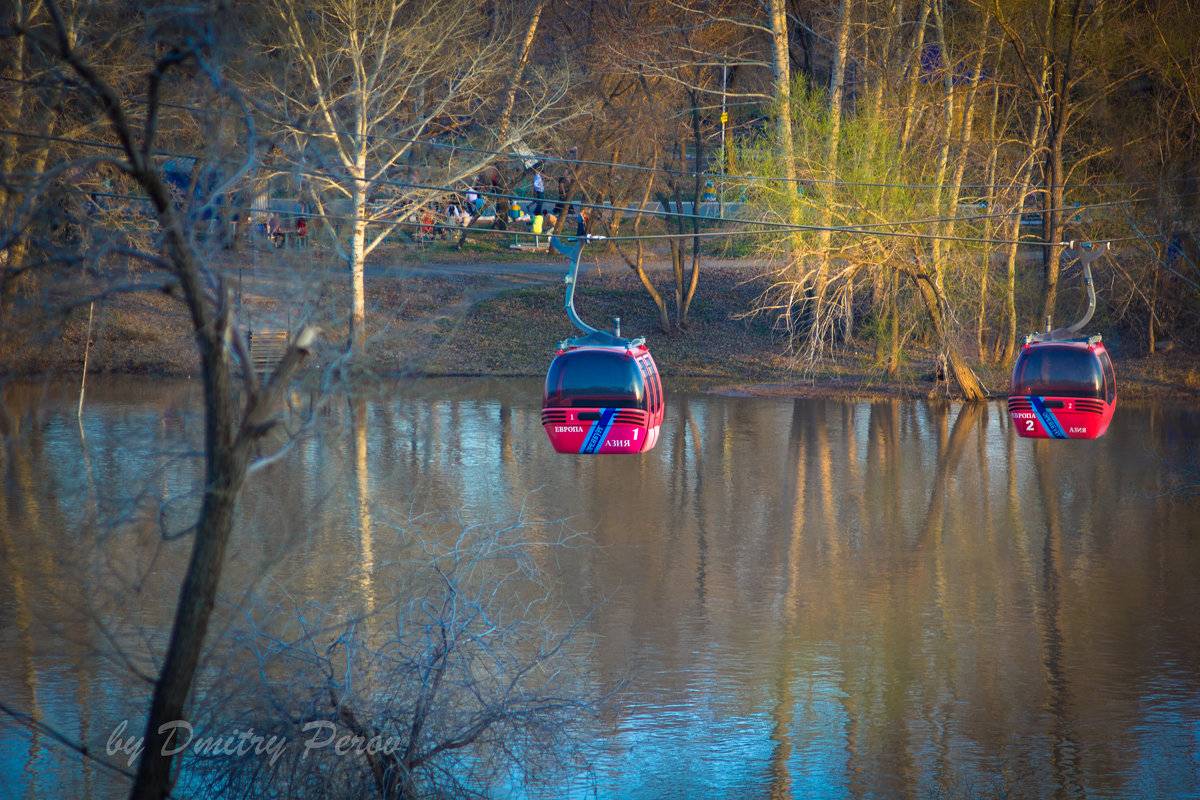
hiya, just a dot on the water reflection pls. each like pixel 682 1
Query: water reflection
pixel 813 598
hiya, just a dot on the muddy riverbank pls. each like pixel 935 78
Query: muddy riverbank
pixel 505 320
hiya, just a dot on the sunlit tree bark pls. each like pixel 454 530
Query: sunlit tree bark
pixel 837 83
pixel 781 71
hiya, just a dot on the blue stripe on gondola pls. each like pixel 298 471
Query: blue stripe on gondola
pixel 598 431
pixel 1048 420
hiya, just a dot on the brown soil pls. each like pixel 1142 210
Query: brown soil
pixel 500 324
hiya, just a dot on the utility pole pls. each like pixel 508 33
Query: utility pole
pixel 724 154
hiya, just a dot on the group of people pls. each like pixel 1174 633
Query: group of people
pixel 545 218
pixel 440 218
pixel 277 234
pixel 486 195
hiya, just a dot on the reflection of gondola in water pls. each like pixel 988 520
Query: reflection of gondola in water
pixel 1064 387
pixel 603 393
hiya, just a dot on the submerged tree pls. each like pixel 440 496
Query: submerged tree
pixel 447 673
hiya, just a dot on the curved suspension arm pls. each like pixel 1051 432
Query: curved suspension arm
pixel 572 254
pixel 1086 256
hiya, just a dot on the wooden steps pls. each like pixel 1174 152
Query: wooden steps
pixel 267 348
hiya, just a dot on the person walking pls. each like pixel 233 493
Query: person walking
pixel 539 191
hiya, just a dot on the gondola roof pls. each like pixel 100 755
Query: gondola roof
pixel 600 338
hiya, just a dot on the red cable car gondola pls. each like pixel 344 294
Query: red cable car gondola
pixel 1064 387
pixel 603 393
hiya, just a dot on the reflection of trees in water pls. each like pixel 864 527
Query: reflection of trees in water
pixel 21 689
pixel 1064 748
pixel 686 485
pixel 882 578
pixel 362 480
pixel 99 585
pixel 88 574
pixel 458 668
pixel 911 584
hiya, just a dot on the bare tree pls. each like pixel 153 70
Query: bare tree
pixel 881 178
pixel 179 255
pixel 674 57
pixel 373 95
pixel 1051 42
pixel 460 675
pixel 42 118
pixel 781 70
pixel 239 407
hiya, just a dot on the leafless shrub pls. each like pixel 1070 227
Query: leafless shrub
pixel 465 682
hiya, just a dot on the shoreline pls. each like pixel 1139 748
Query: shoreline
pixel 481 321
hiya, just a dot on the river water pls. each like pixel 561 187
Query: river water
pixel 796 598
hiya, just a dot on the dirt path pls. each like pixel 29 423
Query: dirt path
pixel 456 313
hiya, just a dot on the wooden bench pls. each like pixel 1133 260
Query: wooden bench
pixel 267 348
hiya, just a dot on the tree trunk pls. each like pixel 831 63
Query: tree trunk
pixel 510 97
pixel 1014 228
pixel 685 290
pixel 1052 225
pixel 935 304
pixel 837 82
pixel 15 277
pixel 637 263
pixel 949 99
pixel 989 227
pixel 1151 336
pixel 914 79
pixel 782 75
pixel 226 470
pixel 639 267
pixel 893 362
pixel 358 236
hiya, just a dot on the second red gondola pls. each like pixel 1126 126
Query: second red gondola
pixel 1063 386
pixel 1063 390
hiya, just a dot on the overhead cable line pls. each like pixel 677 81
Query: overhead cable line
pixel 674 215
pixel 382 182
pixel 764 226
